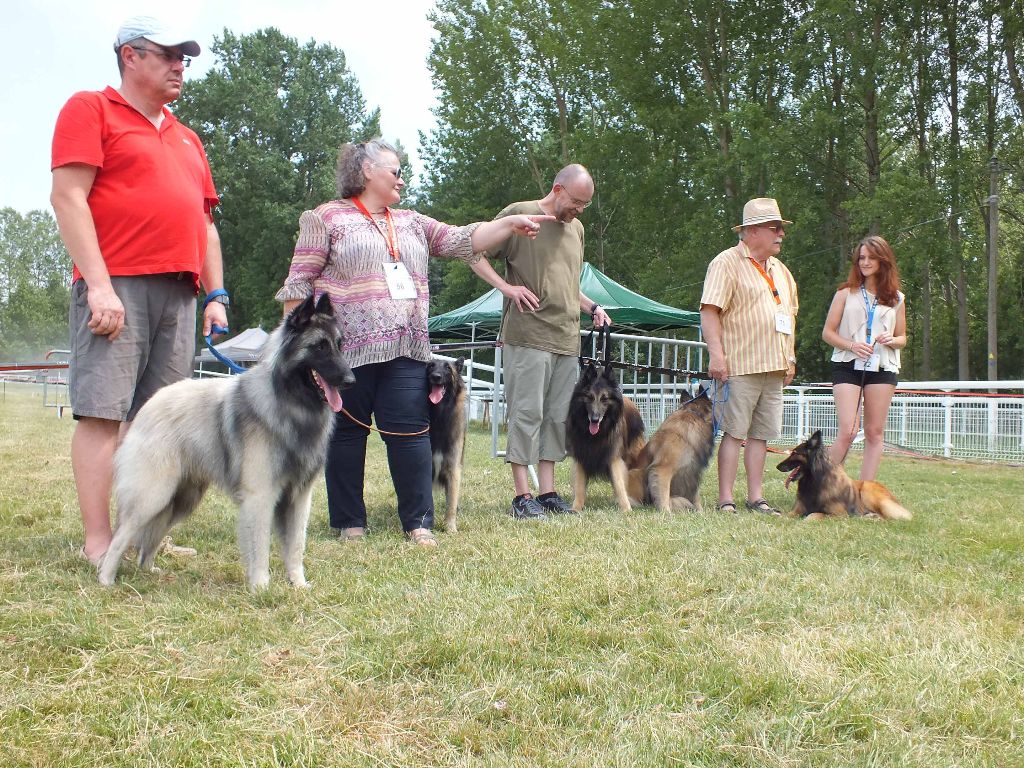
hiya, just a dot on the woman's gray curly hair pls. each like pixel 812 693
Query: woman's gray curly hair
pixel 349 178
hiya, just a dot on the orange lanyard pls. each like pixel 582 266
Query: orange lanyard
pixel 767 278
pixel 390 236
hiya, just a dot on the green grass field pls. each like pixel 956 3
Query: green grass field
pixel 645 639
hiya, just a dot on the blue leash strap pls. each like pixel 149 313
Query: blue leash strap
pixel 719 397
pixel 231 364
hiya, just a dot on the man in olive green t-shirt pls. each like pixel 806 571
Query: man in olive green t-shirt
pixel 541 346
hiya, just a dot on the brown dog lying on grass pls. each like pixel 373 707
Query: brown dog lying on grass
pixel 823 489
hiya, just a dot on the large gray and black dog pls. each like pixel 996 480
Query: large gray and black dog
pixel 261 436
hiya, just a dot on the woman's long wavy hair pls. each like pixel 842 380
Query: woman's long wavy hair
pixel 887 279
pixel 349 179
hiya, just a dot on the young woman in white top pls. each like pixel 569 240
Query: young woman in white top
pixel 867 326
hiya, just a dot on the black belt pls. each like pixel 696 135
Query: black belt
pixel 176 275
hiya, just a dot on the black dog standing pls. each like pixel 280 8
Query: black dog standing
pixel 447 432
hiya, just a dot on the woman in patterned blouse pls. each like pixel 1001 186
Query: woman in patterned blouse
pixel 371 259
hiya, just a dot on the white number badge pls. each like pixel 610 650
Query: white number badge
pixel 784 323
pixel 400 282
pixel 870 365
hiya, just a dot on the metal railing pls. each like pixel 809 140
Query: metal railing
pixel 934 418
pixel 952 419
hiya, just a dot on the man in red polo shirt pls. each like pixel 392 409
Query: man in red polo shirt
pixel 133 195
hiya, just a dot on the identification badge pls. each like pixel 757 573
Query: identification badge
pixel 784 322
pixel 870 365
pixel 400 282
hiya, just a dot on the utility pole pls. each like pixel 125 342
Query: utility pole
pixel 993 240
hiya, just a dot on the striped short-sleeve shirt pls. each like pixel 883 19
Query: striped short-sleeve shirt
pixel 748 311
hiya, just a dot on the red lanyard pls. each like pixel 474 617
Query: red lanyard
pixel 767 278
pixel 390 236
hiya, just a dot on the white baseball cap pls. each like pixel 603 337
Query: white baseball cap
pixel 155 32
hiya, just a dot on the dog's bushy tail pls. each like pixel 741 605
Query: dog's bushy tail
pixel 892 510
pixel 877 498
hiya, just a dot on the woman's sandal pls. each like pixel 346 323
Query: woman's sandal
pixel 726 506
pixel 763 507
pixel 352 535
pixel 422 537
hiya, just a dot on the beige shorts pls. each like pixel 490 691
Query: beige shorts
pixel 113 379
pixel 538 389
pixel 754 407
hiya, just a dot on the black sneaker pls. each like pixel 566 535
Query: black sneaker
pixel 555 504
pixel 526 507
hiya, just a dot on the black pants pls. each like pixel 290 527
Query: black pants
pixel 395 394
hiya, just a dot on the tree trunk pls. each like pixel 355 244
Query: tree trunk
pixel 1010 32
pixel 872 153
pixel 922 109
pixel 714 66
pixel 951 15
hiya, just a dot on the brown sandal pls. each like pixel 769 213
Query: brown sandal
pixel 763 507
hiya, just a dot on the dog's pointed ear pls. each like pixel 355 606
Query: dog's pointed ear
pixel 588 373
pixel 609 371
pixel 459 363
pixel 300 316
pixel 324 305
pixel 814 441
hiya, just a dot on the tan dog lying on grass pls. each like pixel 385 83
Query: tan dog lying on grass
pixel 823 489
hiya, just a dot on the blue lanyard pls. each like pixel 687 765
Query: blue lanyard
pixel 869 309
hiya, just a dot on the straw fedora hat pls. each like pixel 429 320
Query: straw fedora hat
pixel 759 211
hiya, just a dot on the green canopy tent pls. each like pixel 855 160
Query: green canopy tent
pixel 628 310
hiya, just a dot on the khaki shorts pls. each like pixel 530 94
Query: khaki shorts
pixel 113 379
pixel 754 407
pixel 538 389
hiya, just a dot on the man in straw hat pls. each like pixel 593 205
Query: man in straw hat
pixel 748 318
pixel 133 195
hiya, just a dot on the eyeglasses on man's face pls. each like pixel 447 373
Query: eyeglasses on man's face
pixel 776 228
pixel 576 202
pixel 167 56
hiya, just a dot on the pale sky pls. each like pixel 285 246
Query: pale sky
pixel 53 48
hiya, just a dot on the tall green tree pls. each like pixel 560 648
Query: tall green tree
pixel 858 116
pixel 35 272
pixel 271 113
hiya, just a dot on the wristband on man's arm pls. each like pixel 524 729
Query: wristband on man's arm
pixel 593 308
pixel 219 295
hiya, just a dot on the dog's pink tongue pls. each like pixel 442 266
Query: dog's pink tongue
pixel 791 477
pixel 594 427
pixel 436 394
pixel 331 393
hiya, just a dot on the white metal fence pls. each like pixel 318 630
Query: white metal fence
pixel 939 418
pixel 934 418
pixel 954 419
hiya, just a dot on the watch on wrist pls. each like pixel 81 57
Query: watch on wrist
pixel 220 296
pixel 593 308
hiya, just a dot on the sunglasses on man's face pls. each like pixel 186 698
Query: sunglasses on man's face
pixel 776 228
